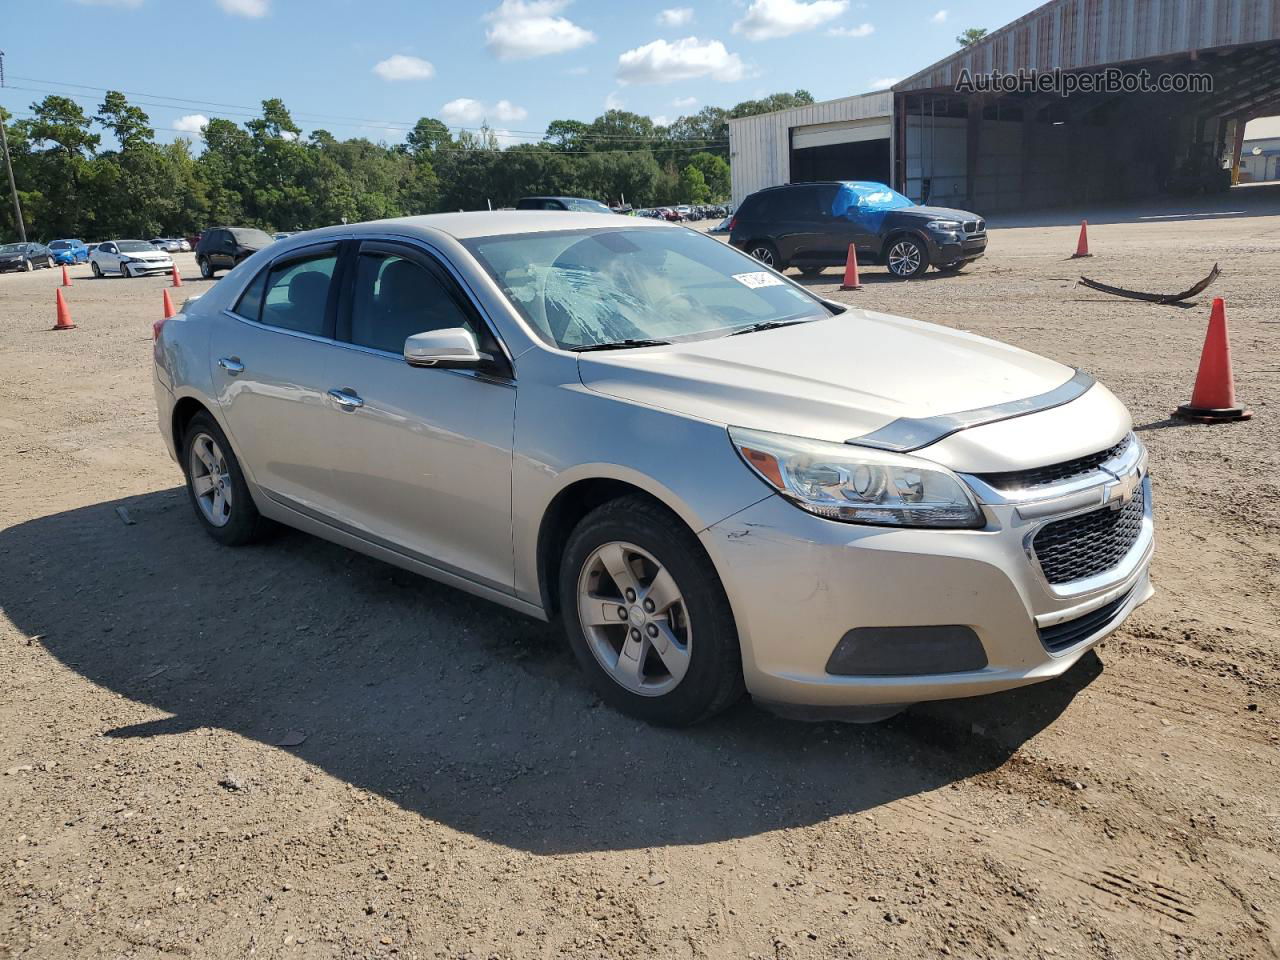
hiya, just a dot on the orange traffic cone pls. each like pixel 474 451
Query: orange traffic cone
pixel 1082 245
pixel 177 277
pixel 851 281
pixel 66 280
pixel 1213 400
pixel 168 306
pixel 64 315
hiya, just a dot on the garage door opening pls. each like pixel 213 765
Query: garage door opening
pixel 868 160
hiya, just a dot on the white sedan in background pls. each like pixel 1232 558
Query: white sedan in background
pixel 128 258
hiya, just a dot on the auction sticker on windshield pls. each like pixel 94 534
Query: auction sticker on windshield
pixel 761 278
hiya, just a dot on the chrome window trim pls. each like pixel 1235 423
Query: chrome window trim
pixel 906 434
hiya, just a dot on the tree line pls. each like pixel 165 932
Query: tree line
pixel 265 173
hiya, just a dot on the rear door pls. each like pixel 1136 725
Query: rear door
pixel 817 238
pixel 272 358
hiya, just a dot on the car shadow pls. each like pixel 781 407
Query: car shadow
pixel 449 706
pixel 867 276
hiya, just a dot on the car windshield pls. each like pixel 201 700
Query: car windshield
pixel 587 206
pixel 134 246
pixel 11 248
pixel 249 237
pixel 584 287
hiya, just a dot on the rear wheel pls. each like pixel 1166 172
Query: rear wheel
pixel 907 258
pixel 646 615
pixel 216 485
pixel 28 266
pixel 765 252
pixel 206 268
pixel 48 263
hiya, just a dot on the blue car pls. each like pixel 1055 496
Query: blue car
pixel 69 252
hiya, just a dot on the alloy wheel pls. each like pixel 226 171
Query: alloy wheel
pixel 904 258
pixel 634 618
pixel 764 255
pixel 210 480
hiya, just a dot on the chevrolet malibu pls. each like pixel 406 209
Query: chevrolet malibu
pixel 714 479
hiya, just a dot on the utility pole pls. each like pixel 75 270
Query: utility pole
pixel 8 166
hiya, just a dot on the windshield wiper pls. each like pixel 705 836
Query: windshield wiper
pixel 765 325
pixel 620 345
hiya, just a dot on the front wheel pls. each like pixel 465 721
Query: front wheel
pixel 97 270
pixel 907 258
pixel 125 272
pixel 216 485
pixel 647 616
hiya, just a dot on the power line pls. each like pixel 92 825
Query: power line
pixel 339 120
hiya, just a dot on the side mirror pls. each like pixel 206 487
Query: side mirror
pixel 455 346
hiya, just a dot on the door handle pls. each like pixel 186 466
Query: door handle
pixel 232 365
pixel 345 400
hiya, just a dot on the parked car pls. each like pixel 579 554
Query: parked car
pixel 24 256
pixel 167 244
pixel 128 258
pixel 714 478
pixel 69 252
pixel 721 227
pixel 811 225
pixel 576 204
pixel 221 248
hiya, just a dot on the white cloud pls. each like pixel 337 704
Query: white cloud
pixel 767 19
pixel 684 103
pixel 661 120
pixel 129 4
pixel 687 59
pixel 613 101
pixel 884 83
pixel 939 17
pixel 676 17
pixel 252 9
pixel 401 67
pixel 192 123
pixel 861 30
pixel 530 28
pixel 466 112
pixel 288 135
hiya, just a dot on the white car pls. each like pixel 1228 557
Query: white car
pixel 128 258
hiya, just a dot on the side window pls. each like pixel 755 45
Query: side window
pixel 395 298
pixel 108 248
pixel 250 304
pixel 297 293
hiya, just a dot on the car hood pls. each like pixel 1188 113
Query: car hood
pixel 833 379
pixel 940 213
pixel 147 255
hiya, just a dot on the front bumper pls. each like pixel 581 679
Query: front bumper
pixel 150 266
pixel 943 249
pixel 799 583
pixel 8 266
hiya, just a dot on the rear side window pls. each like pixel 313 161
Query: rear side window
pixel 297 294
pixel 395 298
pixel 250 304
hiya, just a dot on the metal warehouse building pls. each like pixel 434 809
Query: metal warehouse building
pixel 1014 150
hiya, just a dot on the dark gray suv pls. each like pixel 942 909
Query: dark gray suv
pixel 811 225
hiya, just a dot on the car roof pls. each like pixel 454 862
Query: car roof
pixel 487 223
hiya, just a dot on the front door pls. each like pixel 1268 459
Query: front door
pixel 426 452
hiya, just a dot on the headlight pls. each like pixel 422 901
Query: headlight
pixel 856 484
pixel 943 226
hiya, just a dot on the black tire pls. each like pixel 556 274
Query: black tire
pixel 811 271
pixel 914 257
pixel 244 525
pixel 28 266
pixel 206 268
pixel 97 270
pixel 48 263
pixel 713 681
pixel 766 253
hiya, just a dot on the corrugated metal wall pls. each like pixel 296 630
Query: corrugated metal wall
pixel 760 146
pixel 1073 34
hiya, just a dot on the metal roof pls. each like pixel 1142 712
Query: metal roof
pixel 1076 34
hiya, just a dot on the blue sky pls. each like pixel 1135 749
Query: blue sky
pixel 372 67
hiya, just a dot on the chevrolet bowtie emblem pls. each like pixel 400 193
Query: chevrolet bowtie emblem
pixel 1121 492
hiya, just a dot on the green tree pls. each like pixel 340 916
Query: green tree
pixel 971 36
pixel 715 172
pixel 130 125
pixel 428 134
pixel 693 186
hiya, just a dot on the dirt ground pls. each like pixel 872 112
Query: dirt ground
pixel 295 751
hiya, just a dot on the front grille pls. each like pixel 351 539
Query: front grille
pixel 1061 636
pixel 1056 472
pixel 975 226
pixel 1088 544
